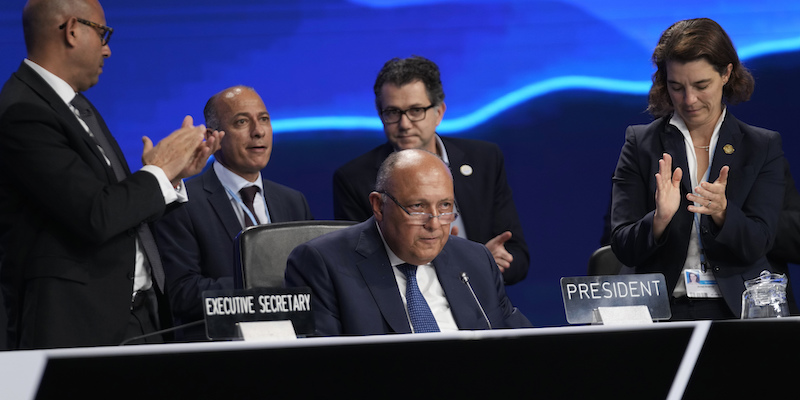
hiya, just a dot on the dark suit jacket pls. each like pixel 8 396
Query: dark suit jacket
pixel 197 240
pixel 68 226
pixel 787 241
pixel 736 251
pixel 354 291
pixel 484 197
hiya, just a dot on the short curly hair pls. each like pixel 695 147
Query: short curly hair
pixel 691 40
pixel 403 71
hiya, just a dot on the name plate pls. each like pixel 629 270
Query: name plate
pixel 223 309
pixel 583 295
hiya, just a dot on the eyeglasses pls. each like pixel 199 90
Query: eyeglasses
pixel 104 31
pixel 421 218
pixel 414 114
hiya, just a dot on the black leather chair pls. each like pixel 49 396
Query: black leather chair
pixel 261 251
pixel 604 262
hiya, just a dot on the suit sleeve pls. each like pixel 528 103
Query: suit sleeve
pixel 307 267
pixel 183 258
pixel 305 212
pixel 348 203
pixel 749 228
pixel 484 279
pixel 631 219
pixel 787 239
pixel 511 316
pixel 45 158
pixel 286 204
pixel 507 219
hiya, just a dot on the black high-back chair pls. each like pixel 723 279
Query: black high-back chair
pixel 261 251
pixel 604 262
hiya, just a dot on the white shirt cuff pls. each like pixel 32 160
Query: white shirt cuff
pixel 171 194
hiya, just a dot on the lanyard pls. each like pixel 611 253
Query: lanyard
pixel 703 263
pixel 244 208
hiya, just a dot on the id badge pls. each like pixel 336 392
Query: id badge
pixel 701 285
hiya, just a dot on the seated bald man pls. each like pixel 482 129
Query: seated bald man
pixel 198 240
pixel 409 98
pixel 400 271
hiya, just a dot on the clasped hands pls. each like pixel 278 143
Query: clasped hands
pixel 710 197
pixel 184 152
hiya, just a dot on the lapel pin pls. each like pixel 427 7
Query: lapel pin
pixel 728 149
pixel 465 170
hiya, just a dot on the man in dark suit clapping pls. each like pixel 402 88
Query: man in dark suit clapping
pixel 81 267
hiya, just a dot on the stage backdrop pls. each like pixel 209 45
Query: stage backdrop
pixel 554 83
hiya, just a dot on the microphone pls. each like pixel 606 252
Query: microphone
pixel 174 328
pixel 465 279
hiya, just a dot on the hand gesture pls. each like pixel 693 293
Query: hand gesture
pixel 181 152
pixel 497 246
pixel 668 194
pixel 711 198
pixel 202 152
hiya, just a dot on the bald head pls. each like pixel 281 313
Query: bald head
pixel 408 160
pixel 41 19
pixel 63 37
pixel 220 103
pixel 413 182
pixel 247 145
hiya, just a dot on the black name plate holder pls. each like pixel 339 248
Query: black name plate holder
pixel 223 309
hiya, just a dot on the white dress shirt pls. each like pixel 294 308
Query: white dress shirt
pixel 693 252
pixel 142 279
pixel 429 285
pixel 233 184
pixel 459 222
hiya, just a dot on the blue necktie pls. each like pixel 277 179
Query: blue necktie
pixel 418 310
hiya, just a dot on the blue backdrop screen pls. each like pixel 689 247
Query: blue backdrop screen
pixel 554 83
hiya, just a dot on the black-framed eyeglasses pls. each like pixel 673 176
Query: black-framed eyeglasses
pixel 104 31
pixel 414 114
pixel 421 218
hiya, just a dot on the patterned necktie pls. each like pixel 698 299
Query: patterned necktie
pixel 248 196
pixel 146 238
pixel 418 310
pixel 85 109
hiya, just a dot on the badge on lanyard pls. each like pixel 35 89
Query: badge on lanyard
pixel 701 284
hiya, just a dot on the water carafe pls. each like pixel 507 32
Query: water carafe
pixel 765 296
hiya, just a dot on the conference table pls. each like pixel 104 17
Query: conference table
pixel 700 359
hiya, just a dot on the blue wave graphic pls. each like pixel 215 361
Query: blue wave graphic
pixel 516 97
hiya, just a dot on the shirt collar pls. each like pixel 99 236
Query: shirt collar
pixel 394 260
pixel 60 86
pixel 678 122
pixel 439 143
pixel 235 182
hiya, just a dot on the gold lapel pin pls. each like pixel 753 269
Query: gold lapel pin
pixel 728 149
